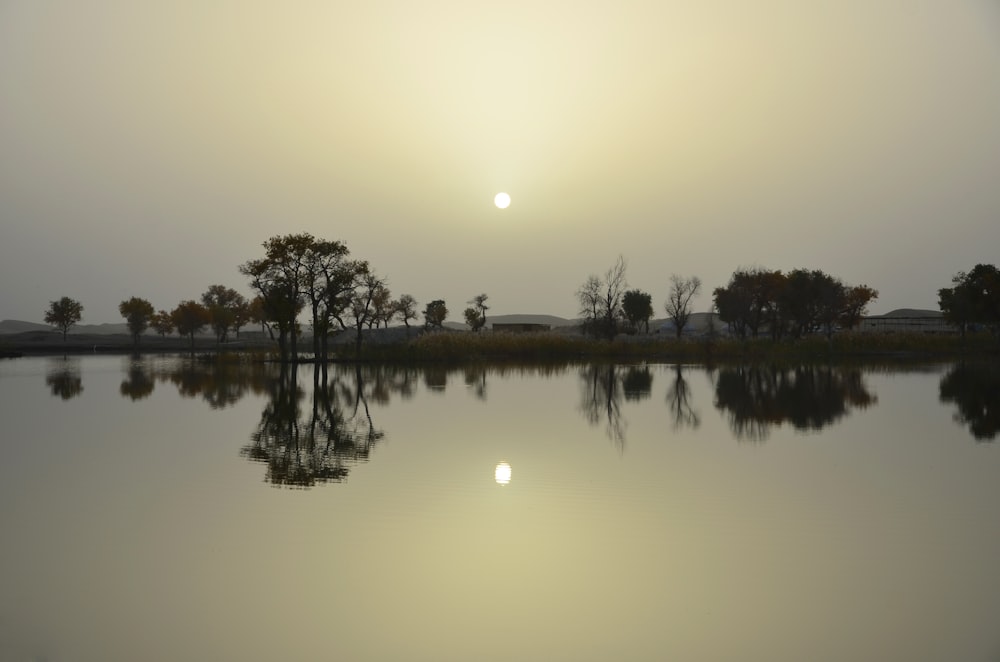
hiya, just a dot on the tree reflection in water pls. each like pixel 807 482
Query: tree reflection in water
pixel 475 379
pixel 975 390
pixel 219 383
pixel 320 448
pixel 637 383
pixel 139 381
pixel 63 378
pixel 601 398
pixel 435 378
pixel 679 401
pixel 808 397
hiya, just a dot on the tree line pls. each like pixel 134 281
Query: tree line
pixel 300 273
pixel 758 301
pixel 755 300
pixel 297 273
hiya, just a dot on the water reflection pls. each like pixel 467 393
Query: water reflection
pixel 679 401
pixel 63 378
pixel 139 381
pixel 475 379
pixel 601 399
pixel 391 379
pixel 219 383
pixel 502 473
pixel 975 390
pixel 717 540
pixel 436 378
pixel 755 398
pixel 637 383
pixel 322 445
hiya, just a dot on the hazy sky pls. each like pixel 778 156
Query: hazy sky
pixel 149 148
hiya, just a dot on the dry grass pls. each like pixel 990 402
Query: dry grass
pixel 458 346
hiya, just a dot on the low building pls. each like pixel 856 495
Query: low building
pixel 907 324
pixel 521 328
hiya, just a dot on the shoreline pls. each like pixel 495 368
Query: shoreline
pixel 467 347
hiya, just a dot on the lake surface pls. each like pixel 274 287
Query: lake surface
pixel 163 509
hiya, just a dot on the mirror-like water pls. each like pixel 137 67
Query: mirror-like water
pixel 163 509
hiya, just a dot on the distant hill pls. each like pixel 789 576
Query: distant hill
pixel 18 326
pixel 910 312
pixel 698 321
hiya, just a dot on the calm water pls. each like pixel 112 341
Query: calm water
pixel 159 509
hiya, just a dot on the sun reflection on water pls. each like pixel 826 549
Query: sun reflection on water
pixel 502 473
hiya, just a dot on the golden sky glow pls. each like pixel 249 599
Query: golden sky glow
pixel 859 137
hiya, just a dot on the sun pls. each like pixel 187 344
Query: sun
pixel 502 200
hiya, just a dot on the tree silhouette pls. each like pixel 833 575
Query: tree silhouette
pixel 63 314
pixel 226 307
pixel 190 317
pixel 435 313
pixel 162 323
pixel 406 309
pixel 281 278
pixel 974 298
pixel 637 306
pixel 137 313
pixel 678 304
pixel 475 316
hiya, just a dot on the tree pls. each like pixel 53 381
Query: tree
pixel 601 301
pixel 475 316
pixel 63 314
pixel 281 278
pixel 638 308
pixel 190 317
pixel 589 296
pixel 973 299
pixel 362 311
pixel 733 303
pixel 257 315
pixel 800 302
pixel 137 313
pixel 614 289
pixel 224 305
pixel 856 300
pixel 807 296
pixel 162 323
pixel 750 302
pixel 678 304
pixel 382 307
pixel 435 313
pixel 241 316
pixel 331 279
pixel 406 308
pixel 472 319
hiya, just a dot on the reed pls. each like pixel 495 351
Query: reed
pixel 459 346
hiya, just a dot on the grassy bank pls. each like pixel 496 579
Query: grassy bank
pixel 499 347
pixel 562 347
pixel 48 343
